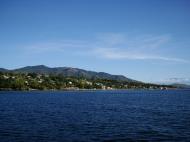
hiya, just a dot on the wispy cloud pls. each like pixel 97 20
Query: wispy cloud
pixel 56 46
pixel 143 47
pixel 113 53
pixel 113 46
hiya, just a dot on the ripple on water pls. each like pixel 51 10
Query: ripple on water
pixel 95 116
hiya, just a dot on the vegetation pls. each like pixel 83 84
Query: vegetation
pixel 34 81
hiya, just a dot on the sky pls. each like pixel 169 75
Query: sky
pixel 146 40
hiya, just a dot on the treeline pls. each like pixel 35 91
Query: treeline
pixel 33 81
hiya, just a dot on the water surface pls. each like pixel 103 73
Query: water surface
pixel 95 116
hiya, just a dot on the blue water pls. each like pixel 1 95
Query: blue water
pixel 95 116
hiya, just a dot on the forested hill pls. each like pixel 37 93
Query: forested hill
pixel 68 72
pixel 45 78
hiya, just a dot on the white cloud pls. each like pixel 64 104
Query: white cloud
pixel 113 46
pixel 56 46
pixel 113 53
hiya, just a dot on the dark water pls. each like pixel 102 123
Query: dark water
pixel 95 116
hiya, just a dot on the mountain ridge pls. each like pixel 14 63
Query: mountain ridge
pixel 68 72
pixel 178 85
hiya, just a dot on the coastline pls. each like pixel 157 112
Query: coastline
pixel 131 89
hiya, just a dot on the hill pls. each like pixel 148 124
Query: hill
pixel 70 72
pixel 3 70
pixel 184 86
pixel 45 78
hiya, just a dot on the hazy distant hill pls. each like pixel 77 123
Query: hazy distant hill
pixel 67 71
pixel 181 85
pixel 3 70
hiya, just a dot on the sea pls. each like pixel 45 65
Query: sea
pixel 95 116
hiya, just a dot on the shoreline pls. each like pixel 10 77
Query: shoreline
pixel 69 90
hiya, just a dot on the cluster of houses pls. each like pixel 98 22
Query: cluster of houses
pixel 70 84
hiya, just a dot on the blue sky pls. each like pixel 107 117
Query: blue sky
pixel 147 40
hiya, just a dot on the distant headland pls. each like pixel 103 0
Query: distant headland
pixel 41 77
